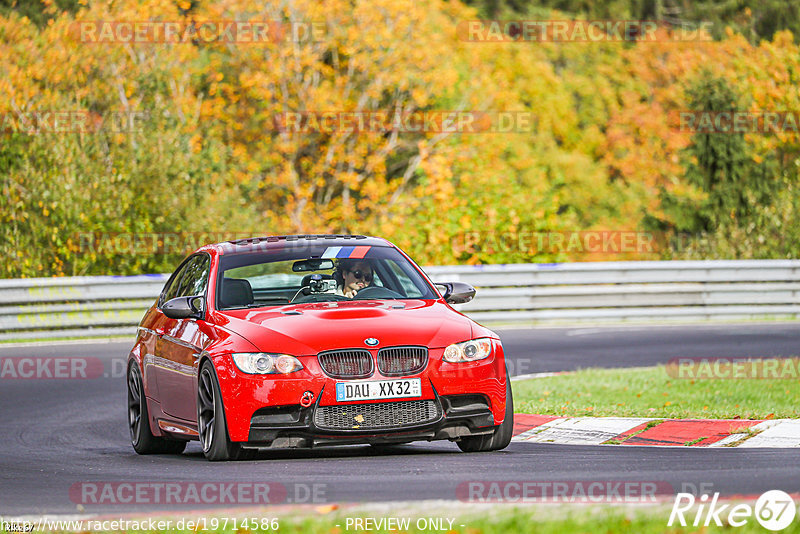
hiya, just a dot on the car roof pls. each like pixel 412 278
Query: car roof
pixel 280 241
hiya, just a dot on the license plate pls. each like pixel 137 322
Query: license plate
pixel 378 389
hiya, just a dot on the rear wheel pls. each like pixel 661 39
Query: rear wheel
pixel 211 425
pixel 501 436
pixel 142 439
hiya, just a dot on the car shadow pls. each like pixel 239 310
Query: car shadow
pixel 339 451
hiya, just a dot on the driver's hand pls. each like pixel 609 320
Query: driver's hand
pixel 350 294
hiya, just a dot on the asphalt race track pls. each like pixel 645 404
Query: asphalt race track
pixel 57 434
pixel 567 349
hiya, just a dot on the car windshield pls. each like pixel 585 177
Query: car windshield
pixel 317 274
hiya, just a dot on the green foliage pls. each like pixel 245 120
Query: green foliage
pixel 719 164
pixel 746 198
pixel 755 20
pixel 205 156
pixel 38 10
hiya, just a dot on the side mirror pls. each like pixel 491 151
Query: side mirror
pixel 456 292
pixel 184 308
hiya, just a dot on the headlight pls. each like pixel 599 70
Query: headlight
pixel 468 351
pixel 262 363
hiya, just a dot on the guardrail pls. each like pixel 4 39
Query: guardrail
pixel 81 306
pixel 630 291
pixel 516 293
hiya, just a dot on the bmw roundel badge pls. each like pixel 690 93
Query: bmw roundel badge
pixel 371 341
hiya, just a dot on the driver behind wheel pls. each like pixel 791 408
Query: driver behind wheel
pixel 352 276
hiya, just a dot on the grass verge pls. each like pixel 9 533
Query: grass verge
pixel 652 392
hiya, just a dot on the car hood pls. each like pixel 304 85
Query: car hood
pixel 306 329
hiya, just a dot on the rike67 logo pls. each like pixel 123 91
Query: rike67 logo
pixel 774 510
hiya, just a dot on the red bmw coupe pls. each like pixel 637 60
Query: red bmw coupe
pixel 311 340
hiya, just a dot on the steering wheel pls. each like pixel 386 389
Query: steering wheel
pixel 377 292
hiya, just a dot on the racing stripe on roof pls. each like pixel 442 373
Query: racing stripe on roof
pixel 359 252
pixel 346 252
pixel 331 252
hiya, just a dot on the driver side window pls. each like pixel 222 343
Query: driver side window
pixel 195 277
pixel 171 291
pixel 190 280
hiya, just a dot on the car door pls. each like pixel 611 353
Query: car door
pixel 180 345
pixel 151 361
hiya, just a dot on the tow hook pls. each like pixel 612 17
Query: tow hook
pixel 307 399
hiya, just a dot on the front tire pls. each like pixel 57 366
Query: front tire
pixel 211 426
pixel 501 436
pixel 142 438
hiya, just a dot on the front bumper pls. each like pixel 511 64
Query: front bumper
pixel 295 426
pixel 266 409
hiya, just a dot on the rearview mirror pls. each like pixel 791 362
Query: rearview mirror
pixel 184 308
pixel 456 292
pixel 312 264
